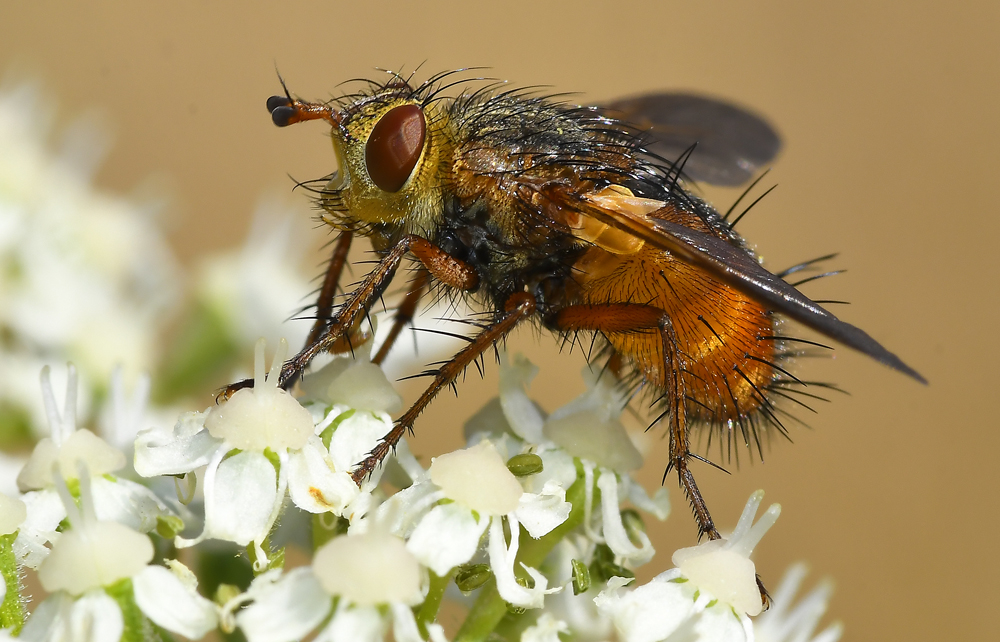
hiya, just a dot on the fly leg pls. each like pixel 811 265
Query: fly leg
pixel 438 263
pixel 612 318
pixel 327 295
pixel 519 307
pixel 328 291
pixel 404 314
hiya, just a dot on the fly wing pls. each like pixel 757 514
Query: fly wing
pixel 732 143
pixel 731 265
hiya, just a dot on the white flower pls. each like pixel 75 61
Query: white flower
pixel 587 428
pixel 784 623
pixel 363 582
pixel 482 493
pixel 94 556
pixel 262 442
pixel 723 568
pixel 87 275
pixel 707 597
pixel 545 629
pixel 115 499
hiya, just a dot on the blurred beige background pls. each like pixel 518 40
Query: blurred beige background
pixel 889 112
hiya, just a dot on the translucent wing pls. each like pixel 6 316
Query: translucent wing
pixel 732 143
pixel 732 266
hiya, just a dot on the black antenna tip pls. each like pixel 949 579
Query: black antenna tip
pixel 282 115
pixel 277 101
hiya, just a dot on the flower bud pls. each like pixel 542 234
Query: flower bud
pixel 525 464
pixel 581 577
pixel 472 576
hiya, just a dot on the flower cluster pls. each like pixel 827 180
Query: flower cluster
pixel 535 528
pixel 85 275
pixel 526 525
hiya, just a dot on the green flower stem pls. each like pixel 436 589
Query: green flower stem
pixel 137 627
pixel 275 556
pixel 12 611
pixel 435 593
pixel 490 608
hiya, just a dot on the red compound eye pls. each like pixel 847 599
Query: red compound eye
pixel 394 147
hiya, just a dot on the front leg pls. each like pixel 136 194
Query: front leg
pixel 519 306
pixel 437 262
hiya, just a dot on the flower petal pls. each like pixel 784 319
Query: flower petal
pixel 356 624
pixel 545 629
pixel 368 569
pixel 47 621
pixel 365 387
pixel 238 507
pixel 557 465
pixel 719 623
pixel 172 604
pixel 524 417
pixel 13 511
pixel 404 625
pixel 95 617
pixel 357 436
pixel 614 531
pixel 128 503
pixel 658 505
pixel 401 512
pixel 286 609
pixel 649 613
pixel 541 513
pixel 602 440
pixel 264 416
pixel 172 452
pixel 81 445
pixel 502 559
pixel 92 555
pixel 446 537
pixel 314 486
pixel 478 478
pixel 45 512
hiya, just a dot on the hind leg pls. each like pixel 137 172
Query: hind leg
pixel 610 318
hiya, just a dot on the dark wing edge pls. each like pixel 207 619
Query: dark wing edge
pixel 739 270
pixel 733 143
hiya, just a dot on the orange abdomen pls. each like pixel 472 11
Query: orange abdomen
pixel 725 338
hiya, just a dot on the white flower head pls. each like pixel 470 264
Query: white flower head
pixel 87 275
pixel 260 443
pixel 94 555
pixel 262 417
pixel 66 444
pixel 67 451
pixel 723 567
pixel 587 428
pixel 363 582
pixel 244 491
pixel 709 596
pixel 467 492
pixel 354 382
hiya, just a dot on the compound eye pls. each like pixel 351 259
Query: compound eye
pixel 394 147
